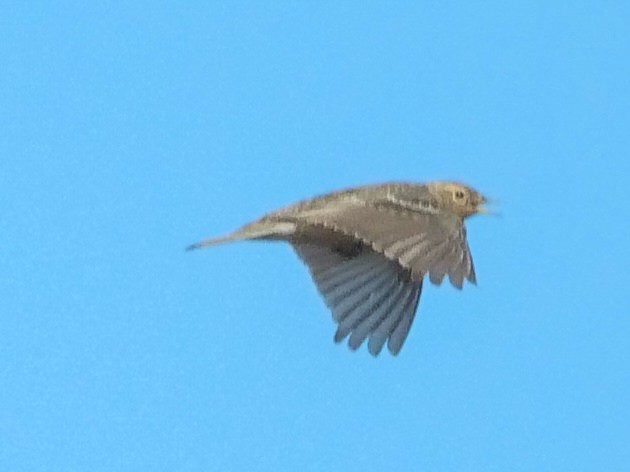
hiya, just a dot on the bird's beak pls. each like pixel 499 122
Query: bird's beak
pixel 481 208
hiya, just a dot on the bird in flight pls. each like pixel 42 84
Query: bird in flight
pixel 369 248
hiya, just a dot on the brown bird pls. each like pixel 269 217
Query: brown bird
pixel 369 248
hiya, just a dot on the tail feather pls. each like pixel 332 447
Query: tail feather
pixel 256 230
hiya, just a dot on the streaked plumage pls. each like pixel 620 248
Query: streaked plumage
pixel 368 250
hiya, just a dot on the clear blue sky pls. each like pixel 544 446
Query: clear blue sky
pixel 128 131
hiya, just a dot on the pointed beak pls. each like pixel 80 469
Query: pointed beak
pixel 481 208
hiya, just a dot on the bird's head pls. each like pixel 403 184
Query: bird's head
pixel 457 198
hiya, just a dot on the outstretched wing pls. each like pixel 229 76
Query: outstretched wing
pixel 368 294
pixel 420 240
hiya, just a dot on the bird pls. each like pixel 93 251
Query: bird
pixel 369 248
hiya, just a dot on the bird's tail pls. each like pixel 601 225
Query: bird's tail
pixel 257 230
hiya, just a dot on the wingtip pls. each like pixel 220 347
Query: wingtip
pixel 394 349
pixel 374 352
pixel 375 346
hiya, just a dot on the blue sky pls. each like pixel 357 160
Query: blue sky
pixel 128 131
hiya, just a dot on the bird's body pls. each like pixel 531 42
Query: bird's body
pixel 369 248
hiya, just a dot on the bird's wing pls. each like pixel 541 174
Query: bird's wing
pixel 421 242
pixel 368 294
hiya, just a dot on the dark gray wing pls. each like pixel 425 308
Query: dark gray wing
pixel 368 294
pixel 421 241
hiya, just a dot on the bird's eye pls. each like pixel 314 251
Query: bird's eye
pixel 459 195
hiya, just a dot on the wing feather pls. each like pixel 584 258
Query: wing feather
pixel 373 299
pixel 385 327
pixel 364 293
pixel 419 242
pixel 370 323
pixel 401 330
